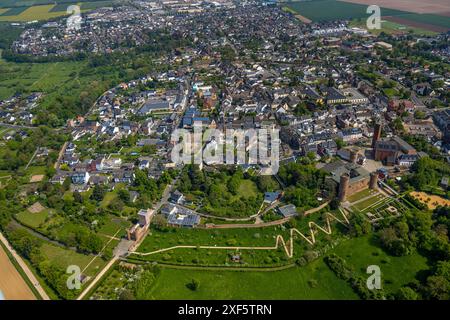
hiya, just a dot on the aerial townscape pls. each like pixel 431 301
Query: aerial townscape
pixel 96 205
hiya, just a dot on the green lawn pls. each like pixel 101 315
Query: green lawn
pixel 247 189
pixel 368 202
pixel 289 284
pixel 112 224
pixel 33 220
pixel 395 271
pixel 221 237
pixel 360 195
pixel 390 27
pixel 66 257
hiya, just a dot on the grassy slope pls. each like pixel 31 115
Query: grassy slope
pixel 396 271
pixel 32 220
pixel 292 283
pixel 66 257
pixel 287 284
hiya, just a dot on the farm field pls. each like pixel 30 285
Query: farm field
pixel 391 27
pixel 424 21
pixel 12 285
pixel 43 10
pixel 417 6
pixel 325 10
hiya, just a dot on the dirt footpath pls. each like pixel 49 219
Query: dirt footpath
pixel 12 285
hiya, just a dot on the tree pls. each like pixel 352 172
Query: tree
pixel 159 221
pixel 266 183
pixel 438 287
pixel 124 195
pixel 406 293
pixel 66 184
pixel 127 294
pixel 98 193
pixel 193 285
pixel 77 197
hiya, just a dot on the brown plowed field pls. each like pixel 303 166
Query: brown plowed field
pixel 440 7
pixel 416 24
pixel 12 285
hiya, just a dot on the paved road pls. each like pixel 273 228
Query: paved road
pixel 25 268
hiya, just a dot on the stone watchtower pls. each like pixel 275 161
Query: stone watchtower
pixel 353 156
pixel 343 187
pixel 373 182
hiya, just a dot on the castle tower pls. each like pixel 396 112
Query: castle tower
pixel 373 182
pixel 376 134
pixel 343 187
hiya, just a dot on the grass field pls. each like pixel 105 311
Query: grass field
pixel 361 195
pixel 432 19
pixel 360 206
pixel 94 5
pixel 45 77
pixel 66 257
pixel 33 220
pixel 390 27
pixel 287 284
pixel 13 11
pixel 395 271
pixel 112 225
pixel 62 7
pixel 314 281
